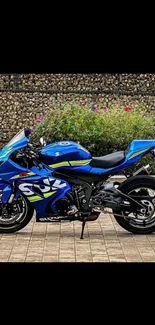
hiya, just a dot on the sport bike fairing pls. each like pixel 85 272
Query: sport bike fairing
pixel 43 193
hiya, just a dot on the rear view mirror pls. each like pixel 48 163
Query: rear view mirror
pixel 27 132
pixel 42 141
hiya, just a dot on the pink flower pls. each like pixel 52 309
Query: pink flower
pixel 105 109
pixel 97 111
pixel 42 117
pixel 38 121
pixel 69 111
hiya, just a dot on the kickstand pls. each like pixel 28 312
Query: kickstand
pixel 83 226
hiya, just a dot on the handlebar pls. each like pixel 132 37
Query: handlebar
pixel 28 156
pixel 35 147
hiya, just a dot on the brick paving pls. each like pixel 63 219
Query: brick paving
pixel 104 241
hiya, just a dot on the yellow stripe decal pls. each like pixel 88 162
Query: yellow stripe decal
pixel 64 163
pixel 34 198
pixel 48 194
pixel 38 198
pixel 137 153
pixel 31 173
pixel 17 176
pixel 74 162
pixel 80 162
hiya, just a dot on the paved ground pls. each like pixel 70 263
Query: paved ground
pixel 105 241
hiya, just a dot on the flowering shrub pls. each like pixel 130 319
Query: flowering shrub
pixel 101 131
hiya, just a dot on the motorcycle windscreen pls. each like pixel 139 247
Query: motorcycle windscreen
pixel 18 141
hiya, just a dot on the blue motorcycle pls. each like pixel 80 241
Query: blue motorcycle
pixel 63 182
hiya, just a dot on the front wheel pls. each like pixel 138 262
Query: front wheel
pixel 138 223
pixel 15 216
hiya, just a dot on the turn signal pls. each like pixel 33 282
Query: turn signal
pixel 23 174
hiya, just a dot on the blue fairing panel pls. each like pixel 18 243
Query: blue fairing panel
pixel 137 145
pixel 43 193
pixel 63 151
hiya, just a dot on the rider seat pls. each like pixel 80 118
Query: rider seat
pixel 108 161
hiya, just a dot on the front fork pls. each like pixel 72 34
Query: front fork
pixel 8 194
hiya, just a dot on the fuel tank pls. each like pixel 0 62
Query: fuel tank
pixel 64 153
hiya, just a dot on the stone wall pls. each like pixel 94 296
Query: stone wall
pixel 18 109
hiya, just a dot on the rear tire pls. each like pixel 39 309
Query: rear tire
pixel 18 221
pixel 127 187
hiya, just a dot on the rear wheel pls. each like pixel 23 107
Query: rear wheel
pixel 137 222
pixel 15 216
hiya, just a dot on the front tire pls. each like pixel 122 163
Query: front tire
pixel 138 225
pixel 18 218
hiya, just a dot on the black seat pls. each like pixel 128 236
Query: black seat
pixel 108 161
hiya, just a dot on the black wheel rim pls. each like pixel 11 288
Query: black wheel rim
pixel 140 220
pixel 15 215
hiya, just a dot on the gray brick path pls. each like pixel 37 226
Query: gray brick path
pixel 104 241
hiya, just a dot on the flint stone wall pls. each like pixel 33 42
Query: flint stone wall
pixel 21 109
